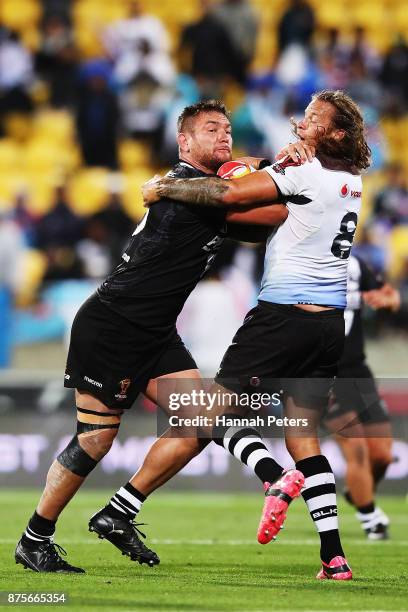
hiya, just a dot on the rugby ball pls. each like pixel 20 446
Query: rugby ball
pixel 234 169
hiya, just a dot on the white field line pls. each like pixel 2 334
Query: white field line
pixel 209 542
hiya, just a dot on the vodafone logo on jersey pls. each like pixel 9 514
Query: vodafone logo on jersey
pixel 345 191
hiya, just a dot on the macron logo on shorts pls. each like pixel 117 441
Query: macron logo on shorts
pixel 93 382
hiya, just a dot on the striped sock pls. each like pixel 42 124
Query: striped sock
pixel 39 529
pixel 246 445
pixel 126 502
pixel 370 517
pixel 320 497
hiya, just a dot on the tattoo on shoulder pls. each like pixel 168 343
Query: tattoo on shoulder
pixel 200 191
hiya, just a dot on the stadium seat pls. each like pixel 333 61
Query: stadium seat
pixel 17 127
pixel 369 15
pixel 31 39
pixel 132 155
pixel 132 195
pixel 54 125
pixel 10 155
pixel 186 12
pixel 43 155
pixel 34 266
pixel 88 42
pixel 20 14
pixel 88 190
pixel 266 48
pixel 398 245
pixel 399 16
pixel 380 38
pixel 96 15
pixel 234 96
pixel 10 184
pixel 90 18
pixel 86 11
pixel 372 182
pixel 40 188
pixel 332 15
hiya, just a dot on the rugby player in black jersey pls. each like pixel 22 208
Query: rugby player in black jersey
pixel 357 412
pixel 124 340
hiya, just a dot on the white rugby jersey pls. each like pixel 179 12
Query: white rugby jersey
pixel 306 259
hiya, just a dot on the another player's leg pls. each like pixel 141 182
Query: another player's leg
pixel 366 447
pixel 319 490
pixel 281 487
pixel 350 436
pixel 97 427
pixel 360 487
pixel 379 442
pixel 167 456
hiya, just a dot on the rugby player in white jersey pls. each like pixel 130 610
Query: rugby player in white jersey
pixel 296 332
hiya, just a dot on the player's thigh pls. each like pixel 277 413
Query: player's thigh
pixel 355 450
pixel 301 429
pixel 345 425
pixel 87 401
pixel 163 390
pixel 159 389
pixel 174 373
pixel 379 441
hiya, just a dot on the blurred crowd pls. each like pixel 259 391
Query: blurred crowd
pixel 132 90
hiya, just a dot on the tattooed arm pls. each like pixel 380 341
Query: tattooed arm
pixel 252 189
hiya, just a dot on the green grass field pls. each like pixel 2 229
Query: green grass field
pixel 210 560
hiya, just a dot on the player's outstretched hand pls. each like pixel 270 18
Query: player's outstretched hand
pixel 297 151
pixel 385 297
pixel 150 191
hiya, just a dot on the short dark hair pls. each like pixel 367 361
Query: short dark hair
pixel 207 106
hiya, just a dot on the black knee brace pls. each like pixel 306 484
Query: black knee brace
pixel 90 420
pixel 76 460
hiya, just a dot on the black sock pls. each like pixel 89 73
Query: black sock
pixel 347 497
pixel 378 471
pixel 126 502
pixel 320 497
pixel 246 445
pixel 39 529
pixel 367 509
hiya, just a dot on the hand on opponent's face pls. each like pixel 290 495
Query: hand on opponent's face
pixel 297 151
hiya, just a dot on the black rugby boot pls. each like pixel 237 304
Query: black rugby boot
pixel 44 557
pixel 124 534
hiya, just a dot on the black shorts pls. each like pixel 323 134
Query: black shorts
pixel 282 346
pixel 355 391
pixel 114 359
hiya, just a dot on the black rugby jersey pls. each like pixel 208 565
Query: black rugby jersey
pixel 168 253
pixel 360 277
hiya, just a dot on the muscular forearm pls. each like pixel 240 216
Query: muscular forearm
pixel 211 191
pixel 249 190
